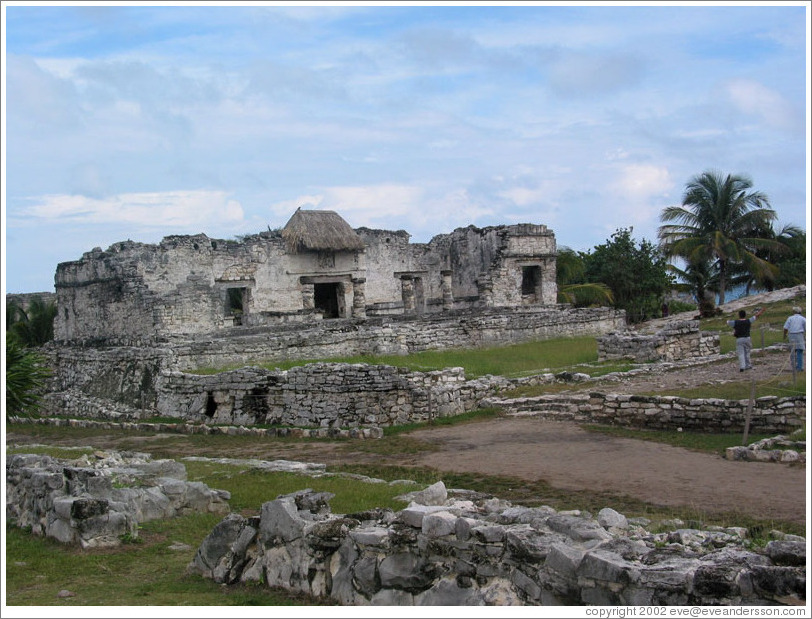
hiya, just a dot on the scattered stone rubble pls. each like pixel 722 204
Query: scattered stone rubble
pixel 776 449
pixel 466 548
pixel 96 501
pixel 676 340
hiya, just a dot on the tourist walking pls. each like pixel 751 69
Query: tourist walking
pixel 795 332
pixel 741 331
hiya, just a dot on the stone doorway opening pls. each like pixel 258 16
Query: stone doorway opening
pixel 326 299
pixel 531 283
pixel 236 304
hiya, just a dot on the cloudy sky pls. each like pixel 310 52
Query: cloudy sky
pixel 137 122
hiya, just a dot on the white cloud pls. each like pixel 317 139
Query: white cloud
pixel 639 193
pixel 173 209
pixel 754 98
pixel 640 182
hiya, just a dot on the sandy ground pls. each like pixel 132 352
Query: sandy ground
pixel 570 458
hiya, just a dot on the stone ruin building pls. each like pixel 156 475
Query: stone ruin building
pixel 316 267
pixel 135 323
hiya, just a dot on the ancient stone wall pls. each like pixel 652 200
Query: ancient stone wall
pixel 678 340
pixel 476 550
pixel 97 500
pixel 321 395
pixel 769 415
pixel 188 285
pixel 134 382
pixel 334 339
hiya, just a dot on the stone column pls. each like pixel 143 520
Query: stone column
pixel 308 297
pixel 484 285
pixel 407 292
pixel 448 294
pixel 359 299
pixel 342 298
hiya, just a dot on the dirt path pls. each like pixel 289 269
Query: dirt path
pixel 570 458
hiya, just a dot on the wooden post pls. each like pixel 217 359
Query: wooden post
pixel 431 412
pixel 750 404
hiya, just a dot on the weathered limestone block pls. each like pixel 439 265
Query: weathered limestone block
pixel 80 505
pixel 493 553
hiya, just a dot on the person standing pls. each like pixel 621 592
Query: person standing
pixel 741 331
pixel 795 331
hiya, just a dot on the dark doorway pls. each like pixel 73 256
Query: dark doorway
pixel 531 279
pixel 325 299
pixel 211 406
pixel 236 302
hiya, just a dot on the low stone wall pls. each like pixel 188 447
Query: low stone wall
pixel 202 428
pixel 321 395
pixel 677 340
pixel 770 415
pixel 94 501
pixel 110 381
pixel 343 338
pixel 473 549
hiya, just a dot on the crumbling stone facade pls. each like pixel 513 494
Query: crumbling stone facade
pixel 133 317
pixel 678 340
pixel 315 268
pixel 136 382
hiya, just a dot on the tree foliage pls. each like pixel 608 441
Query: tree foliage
pixel 26 375
pixel 572 286
pixel 32 326
pixel 721 222
pixel 636 273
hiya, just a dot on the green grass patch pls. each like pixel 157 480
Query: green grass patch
pixel 741 390
pixel 515 360
pixel 64 453
pixel 252 487
pixel 146 574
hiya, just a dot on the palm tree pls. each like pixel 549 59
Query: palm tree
pixel 717 222
pixel 26 376
pixel 698 279
pixel 789 252
pixel 32 327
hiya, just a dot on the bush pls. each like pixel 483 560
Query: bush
pixel 676 306
pixel 26 374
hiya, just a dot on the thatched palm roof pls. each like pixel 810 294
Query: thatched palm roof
pixel 319 231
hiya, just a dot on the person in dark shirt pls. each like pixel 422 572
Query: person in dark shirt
pixel 741 331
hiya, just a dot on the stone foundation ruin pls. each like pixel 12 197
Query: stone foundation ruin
pixel 136 320
pixel 96 501
pixel 472 549
pixel 678 340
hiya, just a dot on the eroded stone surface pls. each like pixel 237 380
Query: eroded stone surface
pixel 95 501
pixel 484 551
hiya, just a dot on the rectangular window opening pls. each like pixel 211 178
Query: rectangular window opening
pixel 236 304
pixel 531 278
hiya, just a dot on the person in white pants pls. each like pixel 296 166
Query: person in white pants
pixel 795 332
